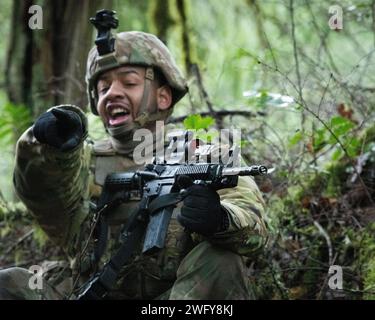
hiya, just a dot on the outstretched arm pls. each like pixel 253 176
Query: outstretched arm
pixel 51 174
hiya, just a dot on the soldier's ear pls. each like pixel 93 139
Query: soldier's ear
pixel 164 97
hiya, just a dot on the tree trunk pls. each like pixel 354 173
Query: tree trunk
pixel 188 60
pixel 46 67
pixel 160 18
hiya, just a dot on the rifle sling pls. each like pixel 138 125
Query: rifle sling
pixel 104 281
pixel 106 198
pixel 101 284
pixel 98 287
pixel 164 201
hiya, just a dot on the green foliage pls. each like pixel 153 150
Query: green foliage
pixel 369 281
pixel 297 137
pixel 131 14
pixel 39 236
pixel 367 260
pixel 200 127
pixel 14 119
pixel 340 126
pixel 262 99
pixel 196 122
pixel 322 197
pixel 335 179
pixel 160 17
pixel 11 212
pixel 5 14
pixel 337 130
pixel 247 47
pixel 96 127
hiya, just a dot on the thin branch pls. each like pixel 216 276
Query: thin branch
pixel 349 89
pixel 303 104
pixel 328 240
pixel 296 60
pixel 282 291
pixel 19 241
pixel 203 92
pixel 345 151
pixel 323 39
pixel 94 223
pixel 2 198
pixel 326 279
pixel 220 115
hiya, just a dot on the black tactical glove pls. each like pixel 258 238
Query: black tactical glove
pixel 60 128
pixel 201 211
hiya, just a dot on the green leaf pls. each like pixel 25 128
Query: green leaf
pixel 295 139
pixel 337 154
pixel 343 129
pixel 353 147
pixel 244 143
pixel 336 121
pixel 39 236
pixel 14 119
pixel 263 99
pixel 283 173
pixel 4 231
pixel 5 131
pixel 319 139
pixel 341 125
pixel 298 107
pixel 197 122
pixel 206 136
pixel 240 53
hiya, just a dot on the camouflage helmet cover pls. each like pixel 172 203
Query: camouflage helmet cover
pixel 134 48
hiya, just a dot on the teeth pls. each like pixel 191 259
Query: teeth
pixel 116 111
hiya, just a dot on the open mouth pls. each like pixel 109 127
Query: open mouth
pixel 117 115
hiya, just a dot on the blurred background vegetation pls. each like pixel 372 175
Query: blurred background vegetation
pixel 302 94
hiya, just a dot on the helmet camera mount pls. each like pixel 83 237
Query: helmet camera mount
pixel 104 21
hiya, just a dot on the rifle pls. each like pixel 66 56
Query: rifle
pixel 159 186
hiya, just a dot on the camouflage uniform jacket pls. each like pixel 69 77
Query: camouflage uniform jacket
pixel 57 186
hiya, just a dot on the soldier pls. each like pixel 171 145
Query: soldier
pixel 59 172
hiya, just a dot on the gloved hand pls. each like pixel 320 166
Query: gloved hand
pixel 60 128
pixel 201 211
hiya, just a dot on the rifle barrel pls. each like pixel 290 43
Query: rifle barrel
pixel 245 171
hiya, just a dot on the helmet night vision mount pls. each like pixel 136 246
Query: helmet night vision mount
pixel 104 21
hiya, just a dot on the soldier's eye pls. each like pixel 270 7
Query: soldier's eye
pixel 103 90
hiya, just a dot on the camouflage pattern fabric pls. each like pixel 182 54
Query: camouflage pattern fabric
pixel 14 285
pixel 57 188
pixel 212 273
pixel 136 48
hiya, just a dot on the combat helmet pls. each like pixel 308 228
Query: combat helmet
pixel 135 48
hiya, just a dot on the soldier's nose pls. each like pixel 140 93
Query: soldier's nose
pixel 115 91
